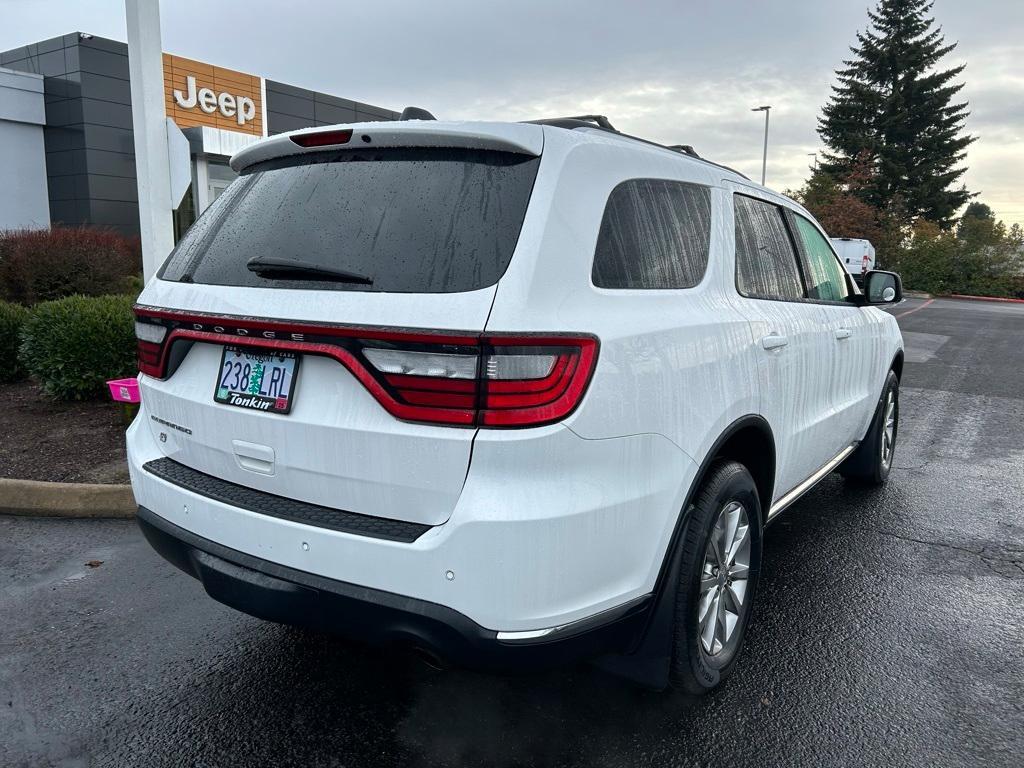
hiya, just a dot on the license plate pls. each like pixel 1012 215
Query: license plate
pixel 260 381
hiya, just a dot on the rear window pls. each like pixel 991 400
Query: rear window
pixel 766 266
pixel 654 234
pixel 412 220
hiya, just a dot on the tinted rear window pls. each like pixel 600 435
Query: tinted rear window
pixel 766 266
pixel 414 220
pixel 654 234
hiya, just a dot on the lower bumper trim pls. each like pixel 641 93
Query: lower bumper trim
pixel 278 593
pixel 575 627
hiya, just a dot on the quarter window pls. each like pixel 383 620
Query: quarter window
pixel 766 265
pixel 654 234
pixel 825 278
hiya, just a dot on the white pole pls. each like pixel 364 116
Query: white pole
pixel 146 70
pixel 764 157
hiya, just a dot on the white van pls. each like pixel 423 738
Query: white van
pixel 508 394
pixel 857 254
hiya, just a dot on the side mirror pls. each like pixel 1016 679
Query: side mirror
pixel 882 287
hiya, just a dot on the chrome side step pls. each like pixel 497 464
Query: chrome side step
pixel 788 498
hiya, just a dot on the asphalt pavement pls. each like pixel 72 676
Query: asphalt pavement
pixel 889 630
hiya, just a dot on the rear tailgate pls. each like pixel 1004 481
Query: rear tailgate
pixel 435 245
pixel 337 447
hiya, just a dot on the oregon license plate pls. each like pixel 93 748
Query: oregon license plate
pixel 261 381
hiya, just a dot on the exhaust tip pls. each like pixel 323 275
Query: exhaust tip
pixel 429 658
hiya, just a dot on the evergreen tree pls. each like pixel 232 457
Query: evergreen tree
pixel 893 107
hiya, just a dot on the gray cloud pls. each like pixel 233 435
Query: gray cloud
pixel 672 71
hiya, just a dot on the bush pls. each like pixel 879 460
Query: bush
pixel 42 265
pixel 981 258
pixel 74 345
pixel 12 318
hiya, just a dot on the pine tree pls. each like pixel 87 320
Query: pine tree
pixel 893 108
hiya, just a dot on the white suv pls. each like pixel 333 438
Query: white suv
pixel 503 393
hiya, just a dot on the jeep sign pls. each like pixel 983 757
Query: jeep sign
pixel 196 93
pixel 242 108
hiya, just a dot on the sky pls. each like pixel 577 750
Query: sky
pixel 675 72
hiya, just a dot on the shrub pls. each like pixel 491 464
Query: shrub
pixel 12 318
pixel 73 345
pixel 42 265
pixel 982 257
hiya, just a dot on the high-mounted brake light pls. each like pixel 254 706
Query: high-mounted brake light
pixel 488 380
pixel 322 138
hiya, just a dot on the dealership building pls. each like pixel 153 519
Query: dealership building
pixel 67 153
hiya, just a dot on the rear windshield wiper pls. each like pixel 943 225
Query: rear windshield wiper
pixel 297 269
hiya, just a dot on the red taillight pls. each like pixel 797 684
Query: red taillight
pixel 864 264
pixel 514 398
pixel 322 138
pixel 150 336
pixel 491 380
pixel 503 381
pixel 149 358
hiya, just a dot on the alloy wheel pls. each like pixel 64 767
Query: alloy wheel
pixel 889 428
pixel 724 578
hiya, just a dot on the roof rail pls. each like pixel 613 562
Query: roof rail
pixel 602 123
pixel 686 149
pixel 601 120
pixel 579 121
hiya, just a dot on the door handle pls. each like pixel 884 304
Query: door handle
pixel 842 333
pixel 773 341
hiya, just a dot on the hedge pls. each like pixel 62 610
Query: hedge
pixel 12 318
pixel 42 265
pixel 74 345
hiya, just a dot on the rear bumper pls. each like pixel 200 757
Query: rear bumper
pixel 278 593
pixel 550 529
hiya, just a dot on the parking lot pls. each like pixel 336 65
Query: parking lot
pixel 889 630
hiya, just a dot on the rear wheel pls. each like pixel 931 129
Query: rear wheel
pixel 872 461
pixel 719 565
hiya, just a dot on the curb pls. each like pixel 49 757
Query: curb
pixel 986 298
pixel 917 295
pixel 36 498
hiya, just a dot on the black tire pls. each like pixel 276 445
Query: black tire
pixel 695 667
pixel 869 464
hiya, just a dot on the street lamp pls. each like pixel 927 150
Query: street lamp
pixel 814 160
pixel 764 160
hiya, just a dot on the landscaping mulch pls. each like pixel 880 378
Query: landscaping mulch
pixel 46 439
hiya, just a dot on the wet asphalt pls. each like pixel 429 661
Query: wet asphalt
pixel 889 630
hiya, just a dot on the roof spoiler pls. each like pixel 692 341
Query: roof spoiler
pixel 417 132
pixel 415 113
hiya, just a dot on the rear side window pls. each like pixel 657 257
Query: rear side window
pixel 824 273
pixel 766 266
pixel 410 220
pixel 654 234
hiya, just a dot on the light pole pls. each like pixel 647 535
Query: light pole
pixel 764 160
pixel 814 160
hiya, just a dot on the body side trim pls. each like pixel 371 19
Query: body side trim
pixel 791 496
